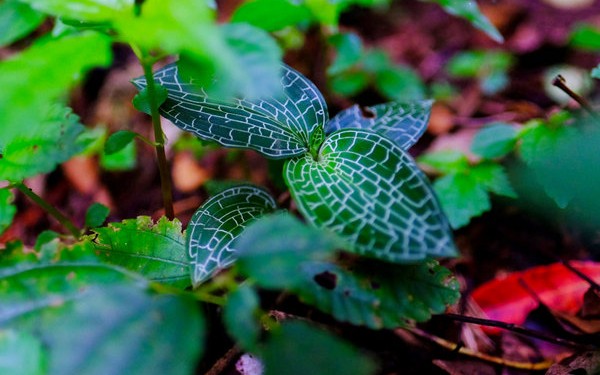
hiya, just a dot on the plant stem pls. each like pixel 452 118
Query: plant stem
pixel 51 210
pixel 560 82
pixel 159 139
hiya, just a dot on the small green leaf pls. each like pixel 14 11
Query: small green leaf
pixel 446 161
pixel 272 15
pixel 369 191
pixel 214 227
pixel 271 249
pixel 494 178
pixel 461 197
pixel 123 160
pixel 22 354
pixel 141 101
pixel 586 37
pixel 349 83
pixel 84 10
pixel 118 140
pixel 349 51
pixel 96 215
pixel 469 10
pixel 400 83
pixel 277 127
pixel 595 73
pixel 17 20
pixel 376 294
pixel 7 209
pixel 495 140
pixel 479 63
pixel 89 308
pixel 156 251
pixel 404 123
pixel 240 316
pixel 297 348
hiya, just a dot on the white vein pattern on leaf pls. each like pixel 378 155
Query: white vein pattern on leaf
pixel 366 198
pixel 218 222
pixel 404 123
pixel 290 118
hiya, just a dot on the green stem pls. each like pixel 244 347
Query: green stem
pixel 163 166
pixel 62 219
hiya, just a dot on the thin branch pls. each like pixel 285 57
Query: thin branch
pixel 51 210
pixel 519 330
pixel 222 363
pixel 536 366
pixel 560 82
pixel 589 280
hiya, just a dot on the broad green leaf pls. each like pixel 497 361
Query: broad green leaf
pixel 586 37
pixel 349 50
pixel 297 348
pixel 84 10
pixel 41 150
pixel 54 65
pixel 141 101
pixel 217 223
pixel 400 83
pixel 241 316
pixel 378 295
pixel 272 15
pixel 469 10
pixel 22 354
pixel 368 190
pixel 272 247
pixel 156 251
pixel 118 140
pixel 404 123
pixel 461 197
pixel 495 140
pixel 277 127
pixel 17 19
pixel 95 215
pixel 94 318
pixel 123 160
pixel 7 209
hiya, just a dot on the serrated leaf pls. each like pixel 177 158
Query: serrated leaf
pixel 240 315
pixel 495 140
pixel 461 197
pixel 370 192
pixel 17 20
pixel 277 127
pixel 469 10
pixel 297 348
pixel 41 151
pixel 95 215
pixel 272 247
pixel 404 123
pixel 214 227
pixel 22 354
pixel 141 101
pixel 7 209
pixel 378 295
pixel 493 177
pixel 156 251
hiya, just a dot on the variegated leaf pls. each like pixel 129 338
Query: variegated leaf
pixel 404 123
pixel 218 223
pixel 368 190
pixel 278 127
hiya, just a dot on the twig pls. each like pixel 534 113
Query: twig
pixel 543 365
pixel 222 363
pixel 589 280
pixel 520 330
pixel 560 82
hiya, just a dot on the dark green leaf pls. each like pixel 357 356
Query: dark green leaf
pixel 156 251
pixel 369 191
pixel 469 10
pixel 400 83
pixel 462 198
pixel 404 123
pixel 96 215
pixel 118 140
pixel 376 294
pixel 22 354
pixel 272 15
pixel 41 150
pixel 297 348
pixel 495 140
pixel 7 209
pixel 141 102
pixel 277 127
pixel 271 249
pixel 17 20
pixel 214 227
pixel 123 160
pixel 94 319
pixel 241 318
pixel 349 83
pixel 586 37
pixel 349 52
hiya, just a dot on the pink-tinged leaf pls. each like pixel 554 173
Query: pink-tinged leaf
pixel 508 300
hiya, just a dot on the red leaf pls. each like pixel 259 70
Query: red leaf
pixel 505 299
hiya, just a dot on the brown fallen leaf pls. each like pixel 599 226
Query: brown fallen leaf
pixel 441 119
pixel 587 363
pixel 188 174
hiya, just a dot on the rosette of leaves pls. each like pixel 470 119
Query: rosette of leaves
pixel 351 174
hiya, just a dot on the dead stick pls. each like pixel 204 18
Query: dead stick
pixel 582 275
pixel 560 82
pixel 222 363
